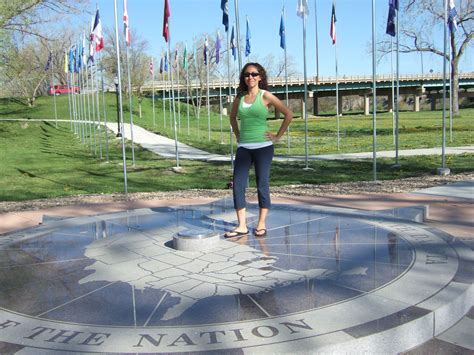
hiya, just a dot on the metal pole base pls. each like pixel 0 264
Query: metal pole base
pixel 177 169
pixel 443 171
pixel 396 166
pixel 308 169
pixel 118 135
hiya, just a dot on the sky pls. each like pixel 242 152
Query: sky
pixel 193 18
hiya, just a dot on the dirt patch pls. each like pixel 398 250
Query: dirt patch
pixel 361 187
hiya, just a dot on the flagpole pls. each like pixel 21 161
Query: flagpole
pixel 177 89
pixel 305 110
pixel 75 101
pixel 187 86
pixel 229 100
pixel 94 116
pixel 374 94
pixel 164 97
pixel 450 95
pixel 443 170
pixel 397 112
pixel 153 88
pixel 337 79
pixel 237 25
pixel 286 79
pixel 220 109
pixel 316 32
pixel 54 95
pixel 78 106
pixel 92 142
pixel 104 106
pixel 130 103
pixel 119 77
pixel 68 83
pixel 73 98
pixel 207 93
pixel 172 96
pixel 95 85
pixel 172 111
pixel 393 89
pixel 83 107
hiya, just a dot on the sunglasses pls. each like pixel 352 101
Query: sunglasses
pixel 254 75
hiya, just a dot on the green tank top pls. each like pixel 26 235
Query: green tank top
pixel 253 120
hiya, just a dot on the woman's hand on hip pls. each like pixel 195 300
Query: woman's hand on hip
pixel 273 137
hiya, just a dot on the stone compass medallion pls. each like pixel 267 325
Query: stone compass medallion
pixel 322 278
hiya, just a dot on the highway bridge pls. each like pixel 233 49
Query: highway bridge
pixel 417 86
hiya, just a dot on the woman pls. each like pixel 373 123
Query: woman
pixel 255 144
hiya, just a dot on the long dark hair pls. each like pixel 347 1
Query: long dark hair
pixel 262 84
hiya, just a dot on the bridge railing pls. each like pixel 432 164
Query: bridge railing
pixel 280 81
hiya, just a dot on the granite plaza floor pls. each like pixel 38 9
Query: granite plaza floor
pixel 349 274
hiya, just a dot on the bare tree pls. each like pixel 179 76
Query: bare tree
pixel 138 61
pixel 276 68
pixel 418 25
pixel 23 73
pixel 28 17
pixel 27 36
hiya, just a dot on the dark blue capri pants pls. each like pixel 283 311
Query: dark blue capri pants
pixel 262 160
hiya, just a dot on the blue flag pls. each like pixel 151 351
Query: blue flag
pixel 247 39
pixel 282 31
pixel 161 65
pixel 71 60
pixel 166 62
pixel 77 60
pixel 48 62
pixel 218 49
pixel 392 13
pixel 232 44
pixel 225 14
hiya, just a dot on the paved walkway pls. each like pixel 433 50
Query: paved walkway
pixel 166 147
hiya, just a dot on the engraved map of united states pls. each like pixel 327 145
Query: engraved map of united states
pixel 146 262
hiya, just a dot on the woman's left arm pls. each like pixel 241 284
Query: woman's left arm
pixel 271 99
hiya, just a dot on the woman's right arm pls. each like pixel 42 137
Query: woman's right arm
pixel 233 118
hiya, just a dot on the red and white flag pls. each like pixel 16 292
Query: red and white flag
pixel 166 30
pixel 96 36
pixel 332 30
pixel 126 28
pixel 151 68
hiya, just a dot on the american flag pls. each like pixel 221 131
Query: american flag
pixel 126 28
pixel 151 68
pixel 332 31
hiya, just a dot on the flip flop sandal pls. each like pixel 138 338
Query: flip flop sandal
pixel 260 232
pixel 232 234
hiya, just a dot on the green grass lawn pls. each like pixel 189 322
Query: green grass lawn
pixel 40 160
pixel 416 129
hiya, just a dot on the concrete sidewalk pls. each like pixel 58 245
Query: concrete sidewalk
pixel 166 147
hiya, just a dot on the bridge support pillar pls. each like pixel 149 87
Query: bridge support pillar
pixel 390 102
pixel 302 107
pixel 366 105
pixel 339 103
pixel 416 105
pixel 315 105
pixel 433 103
